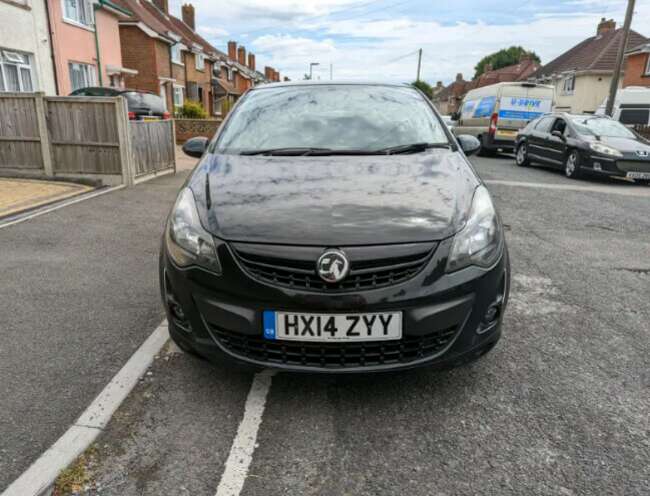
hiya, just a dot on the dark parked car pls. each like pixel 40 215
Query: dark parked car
pixel 142 105
pixel 334 228
pixel 584 144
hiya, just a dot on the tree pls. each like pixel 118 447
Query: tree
pixel 503 58
pixel 424 87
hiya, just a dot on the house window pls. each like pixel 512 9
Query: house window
pixel 199 58
pixel 79 11
pixel 176 53
pixel 178 96
pixel 647 66
pixel 15 72
pixel 230 74
pixel 569 85
pixel 81 75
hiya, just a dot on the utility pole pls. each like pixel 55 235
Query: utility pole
pixel 619 58
pixel 419 63
pixel 311 68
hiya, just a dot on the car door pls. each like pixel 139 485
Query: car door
pixel 538 140
pixel 556 142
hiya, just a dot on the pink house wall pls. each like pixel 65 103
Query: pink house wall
pixel 73 42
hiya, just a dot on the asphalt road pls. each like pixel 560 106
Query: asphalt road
pixel 559 407
pixel 79 294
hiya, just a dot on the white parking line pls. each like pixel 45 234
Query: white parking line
pixel 627 190
pixel 243 446
pixel 40 476
pixel 57 206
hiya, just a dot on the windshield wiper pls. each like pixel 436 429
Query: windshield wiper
pixel 409 148
pixel 295 151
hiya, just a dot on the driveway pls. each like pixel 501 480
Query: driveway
pixel 79 294
pixel 559 407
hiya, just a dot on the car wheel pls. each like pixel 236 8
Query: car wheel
pixel 484 151
pixel 521 157
pixel 572 165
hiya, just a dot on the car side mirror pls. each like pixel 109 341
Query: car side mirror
pixel 455 116
pixel 469 144
pixel 558 134
pixel 196 147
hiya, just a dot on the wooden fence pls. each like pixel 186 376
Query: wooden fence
pixel 81 138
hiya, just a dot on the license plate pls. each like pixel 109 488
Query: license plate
pixel 638 175
pixel 151 118
pixel 291 326
pixel 507 134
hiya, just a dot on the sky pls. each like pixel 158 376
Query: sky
pixel 379 39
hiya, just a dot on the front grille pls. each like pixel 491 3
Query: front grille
pixel 634 165
pixel 365 273
pixel 335 355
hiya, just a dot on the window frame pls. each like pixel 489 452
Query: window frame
pixel 569 79
pixel 199 61
pixel 172 50
pixel 89 72
pixel 181 92
pixel 26 63
pixel 647 65
pixel 88 20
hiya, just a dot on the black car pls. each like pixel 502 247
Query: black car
pixel 334 228
pixel 142 105
pixel 581 144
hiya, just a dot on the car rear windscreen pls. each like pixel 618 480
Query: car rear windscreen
pixel 635 116
pixel 144 101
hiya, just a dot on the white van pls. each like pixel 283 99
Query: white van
pixel 495 113
pixel 631 106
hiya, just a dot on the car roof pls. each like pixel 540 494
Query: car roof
pixel 309 82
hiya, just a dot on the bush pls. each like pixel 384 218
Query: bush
pixel 192 110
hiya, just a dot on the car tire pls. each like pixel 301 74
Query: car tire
pixel 521 155
pixel 484 151
pixel 572 165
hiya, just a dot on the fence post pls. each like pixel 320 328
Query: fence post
pixel 123 133
pixel 174 143
pixel 44 134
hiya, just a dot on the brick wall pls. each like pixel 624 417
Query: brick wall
pixel 138 52
pixel 634 70
pixel 202 77
pixel 191 128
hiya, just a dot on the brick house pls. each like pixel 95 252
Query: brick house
pixel 637 66
pixel 583 74
pixel 174 61
pixel 448 99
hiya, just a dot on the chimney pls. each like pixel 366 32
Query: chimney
pixel 232 50
pixel 162 5
pixel 605 25
pixel 187 11
pixel 251 61
pixel 439 84
pixel 268 71
pixel 241 55
pixel 459 77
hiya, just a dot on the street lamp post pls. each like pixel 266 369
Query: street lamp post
pixel 311 67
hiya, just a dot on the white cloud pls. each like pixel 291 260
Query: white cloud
pixel 211 31
pixel 289 34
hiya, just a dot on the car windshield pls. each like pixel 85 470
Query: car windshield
pixel 330 117
pixel 599 126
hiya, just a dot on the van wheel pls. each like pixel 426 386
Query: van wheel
pixel 484 151
pixel 572 165
pixel 521 157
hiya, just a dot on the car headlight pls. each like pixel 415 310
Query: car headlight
pixel 187 242
pixel 479 242
pixel 605 150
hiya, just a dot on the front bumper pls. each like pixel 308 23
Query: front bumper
pixel 619 167
pixel 443 316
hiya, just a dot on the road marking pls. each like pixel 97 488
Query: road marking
pixel 243 446
pixel 624 190
pixel 40 476
pixel 47 210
